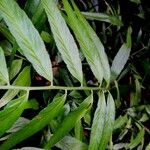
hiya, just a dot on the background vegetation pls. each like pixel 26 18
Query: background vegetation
pixel 67 83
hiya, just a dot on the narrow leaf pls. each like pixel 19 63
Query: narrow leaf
pixel 27 37
pixel 23 79
pixel 98 123
pixel 135 142
pixel 36 124
pixel 3 68
pixel 15 68
pixel 64 40
pixel 10 114
pixel 109 123
pixel 121 58
pixel 71 143
pixel 90 44
pixel 69 122
pixel 103 17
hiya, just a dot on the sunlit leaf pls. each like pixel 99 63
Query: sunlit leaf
pixel 121 57
pixel 109 122
pixel 64 40
pixel 3 68
pixel 90 44
pixel 36 124
pixel 98 123
pixel 27 37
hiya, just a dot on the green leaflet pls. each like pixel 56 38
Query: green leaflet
pixel 121 57
pixel 27 37
pixel 90 44
pixel 69 122
pixel 3 68
pixel 10 114
pixel 23 79
pixel 15 68
pixel 64 40
pixel 98 123
pixel 70 143
pixel 37 123
pixel 120 122
pixel 138 139
pixel 103 17
pixel 109 123
pixel 103 121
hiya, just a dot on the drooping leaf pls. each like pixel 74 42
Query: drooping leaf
pixel 90 44
pixel 27 37
pixel 15 68
pixel 10 114
pixel 71 143
pixel 103 17
pixel 36 124
pixel 121 57
pixel 23 79
pixel 64 40
pixel 98 123
pixel 3 68
pixel 109 122
pixel 69 122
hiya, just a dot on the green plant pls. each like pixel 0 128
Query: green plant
pixel 70 114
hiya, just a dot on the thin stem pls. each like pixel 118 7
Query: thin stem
pixel 48 88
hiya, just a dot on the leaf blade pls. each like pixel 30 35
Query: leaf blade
pixel 7 117
pixel 3 68
pixel 98 123
pixel 36 124
pixel 27 37
pixel 64 40
pixel 69 122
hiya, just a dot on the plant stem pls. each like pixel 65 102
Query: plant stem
pixel 49 88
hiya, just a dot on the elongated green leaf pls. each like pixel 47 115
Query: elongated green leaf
pixel 109 123
pixel 27 37
pixel 121 57
pixel 103 17
pixel 64 40
pixel 3 68
pixel 98 123
pixel 135 142
pixel 10 114
pixel 36 124
pixel 23 79
pixel 70 143
pixel 120 121
pixel 90 44
pixel 70 121
pixel 15 68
